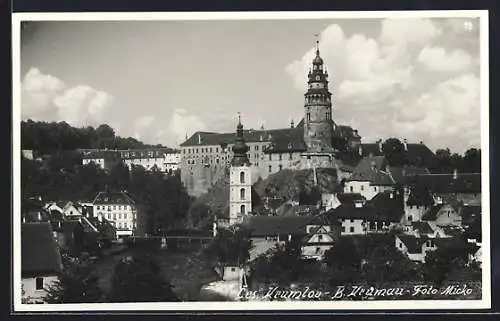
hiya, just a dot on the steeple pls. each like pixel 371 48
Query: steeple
pixel 240 149
pixel 318 124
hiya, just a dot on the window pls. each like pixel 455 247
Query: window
pixel 351 229
pixel 281 167
pixel 351 189
pixel 256 147
pixel 410 218
pixel 308 116
pixel 114 217
pixel 270 168
pixel 242 177
pixel 320 237
pixel 400 245
pixel 98 207
pixel 242 209
pixel 362 187
pixel 270 156
pixel 120 216
pixel 233 269
pixel 39 283
pixel 374 188
pixel 242 193
pixel 280 157
pixel 125 225
pixel 318 249
pixel 210 149
pixel 290 156
pixel 216 149
pixel 343 229
pixel 352 220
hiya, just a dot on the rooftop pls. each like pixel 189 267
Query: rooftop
pixel 113 198
pixel 40 254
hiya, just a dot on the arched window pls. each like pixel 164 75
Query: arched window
pixel 242 209
pixel 242 193
pixel 242 177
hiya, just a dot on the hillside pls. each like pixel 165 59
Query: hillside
pixel 286 184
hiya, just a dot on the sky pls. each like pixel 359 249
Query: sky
pixel 159 81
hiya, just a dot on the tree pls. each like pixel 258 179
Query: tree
pixel 139 279
pixel 231 247
pixel 344 261
pixel 440 263
pixel 394 151
pixel 472 161
pixel 77 283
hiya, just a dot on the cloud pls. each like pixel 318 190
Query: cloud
pixel 46 97
pixel 436 58
pixel 408 81
pixel 182 124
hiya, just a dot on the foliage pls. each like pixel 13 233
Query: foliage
pixel 312 197
pixel 47 137
pixel 283 267
pixel 394 152
pixel 441 262
pixel 446 162
pixel 138 279
pixel 344 260
pixel 76 284
pixel 231 246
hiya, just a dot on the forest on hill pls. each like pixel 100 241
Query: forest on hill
pixel 47 137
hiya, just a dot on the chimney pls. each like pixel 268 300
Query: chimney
pixel 291 124
pixel 380 145
pixel 405 144
pixel 360 150
pixel 262 127
pixel 455 174
pixel 199 139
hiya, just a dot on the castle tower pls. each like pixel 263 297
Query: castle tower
pixel 240 180
pixel 318 124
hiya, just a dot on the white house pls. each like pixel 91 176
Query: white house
pixel 118 208
pixel 40 261
pixel 415 248
pixel 319 239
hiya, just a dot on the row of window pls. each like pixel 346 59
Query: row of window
pixel 210 150
pixel 114 216
pixel 280 167
pixel 361 188
pixel 113 207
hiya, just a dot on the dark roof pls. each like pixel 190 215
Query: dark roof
pixel 113 198
pixel 431 214
pixel 40 254
pixel 347 132
pixel 287 140
pixel 452 231
pixel 417 154
pixel 371 169
pixel 420 195
pixel 390 204
pixel 414 244
pixel 351 211
pixel 447 183
pixel 401 174
pixel 278 225
pixel 422 227
pixel 345 198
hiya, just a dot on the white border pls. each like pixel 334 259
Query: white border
pixel 484 303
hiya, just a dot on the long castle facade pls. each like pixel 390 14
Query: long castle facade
pixel 316 141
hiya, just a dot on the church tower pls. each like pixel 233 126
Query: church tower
pixel 318 124
pixel 240 180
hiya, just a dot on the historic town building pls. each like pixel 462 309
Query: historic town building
pixel 317 141
pixel 240 180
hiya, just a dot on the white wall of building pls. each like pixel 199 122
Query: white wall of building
pixel 30 290
pixel 240 193
pixel 123 216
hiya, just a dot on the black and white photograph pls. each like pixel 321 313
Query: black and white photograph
pixel 251 161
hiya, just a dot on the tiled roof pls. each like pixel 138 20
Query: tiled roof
pixel 371 169
pixel 113 198
pixel 390 204
pixel 345 198
pixel 350 211
pixel 420 195
pixel 413 244
pixel 431 214
pixel 446 183
pixel 417 154
pixel 278 225
pixel 287 140
pixel 402 174
pixel 40 254
pixel 211 138
pixel 422 227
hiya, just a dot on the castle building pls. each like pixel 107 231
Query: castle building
pixel 316 142
pixel 240 180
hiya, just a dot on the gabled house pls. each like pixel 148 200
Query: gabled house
pixel 376 216
pixel 318 240
pixel 443 215
pixel 415 248
pixel 118 208
pixel 40 260
pixel 417 201
pixel 369 178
